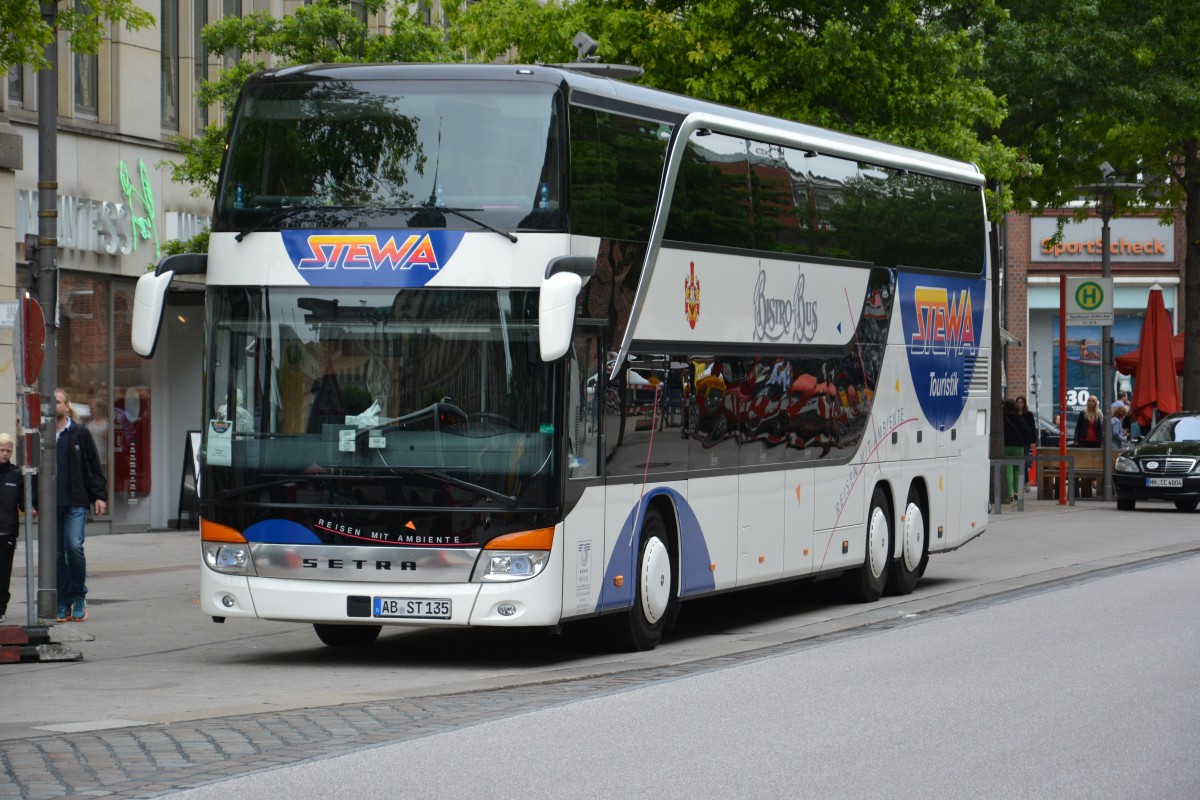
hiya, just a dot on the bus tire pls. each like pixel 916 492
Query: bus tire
pixel 914 547
pixel 347 635
pixel 654 596
pixel 865 584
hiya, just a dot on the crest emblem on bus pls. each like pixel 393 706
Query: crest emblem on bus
pixel 691 297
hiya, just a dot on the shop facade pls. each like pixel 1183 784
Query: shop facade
pixel 1144 254
pixel 116 208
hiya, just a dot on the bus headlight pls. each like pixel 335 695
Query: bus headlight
pixel 228 558
pixel 513 566
pixel 515 556
pixel 1126 464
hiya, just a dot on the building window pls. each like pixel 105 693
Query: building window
pixel 87 78
pixel 200 55
pixel 231 8
pixel 169 26
pixel 16 85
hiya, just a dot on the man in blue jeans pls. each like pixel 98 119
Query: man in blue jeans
pixel 80 484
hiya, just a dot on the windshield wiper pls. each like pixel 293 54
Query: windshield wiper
pixel 280 214
pixel 460 212
pixel 476 488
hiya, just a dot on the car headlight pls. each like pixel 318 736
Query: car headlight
pixel 515 556
pixel 1126 464
pixel 228 558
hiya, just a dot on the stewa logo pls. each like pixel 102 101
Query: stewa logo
pixel 942 318
pixel 370 258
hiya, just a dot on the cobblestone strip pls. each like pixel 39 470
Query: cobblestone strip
pixel 156 759
pixel 152 760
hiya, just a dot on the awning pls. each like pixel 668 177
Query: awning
pixel 1008 338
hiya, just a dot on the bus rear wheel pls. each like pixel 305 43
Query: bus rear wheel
pixel 866 583
pixel 654 596
pixel 347 635
pixel 914 552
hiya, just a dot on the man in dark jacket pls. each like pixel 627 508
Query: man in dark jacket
pixel 12 498
pixel 80 484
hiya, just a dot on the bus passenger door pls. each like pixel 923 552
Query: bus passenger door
pixel 584 551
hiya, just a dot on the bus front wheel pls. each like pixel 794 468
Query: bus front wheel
pixel 347 635
pixel 654 596
pixel 865 584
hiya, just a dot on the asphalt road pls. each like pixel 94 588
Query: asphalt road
pixel 165 699
pixel 1085 691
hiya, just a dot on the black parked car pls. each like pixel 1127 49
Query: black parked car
pixel 1048 434
pixel 1165 465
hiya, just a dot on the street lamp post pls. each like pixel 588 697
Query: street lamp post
pixel 1108 205
pixel 1106 195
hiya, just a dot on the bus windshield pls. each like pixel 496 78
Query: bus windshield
pixel 359 396
pixel 393 154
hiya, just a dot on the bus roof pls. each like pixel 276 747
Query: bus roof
pixel 655 103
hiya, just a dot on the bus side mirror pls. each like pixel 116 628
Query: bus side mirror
pixel 150 298
pixel 148 301
pixel 556 313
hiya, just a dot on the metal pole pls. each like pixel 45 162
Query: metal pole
pixel 1037 385
pixel 1063 483
pixel 47 92
pixel 1107 203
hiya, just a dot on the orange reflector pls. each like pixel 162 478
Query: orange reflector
pixel 806 551
pixel 410 525
pixel 762 559
pixel 540 539
pixel 712 567
pixel 212 532
pixel 619 580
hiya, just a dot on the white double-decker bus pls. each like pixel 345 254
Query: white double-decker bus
pixel 519 345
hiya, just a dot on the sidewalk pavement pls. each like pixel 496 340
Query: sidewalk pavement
pixel 150 656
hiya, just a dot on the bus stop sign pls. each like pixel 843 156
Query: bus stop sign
pixel 34 337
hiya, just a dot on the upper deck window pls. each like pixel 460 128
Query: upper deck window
pixel 742 194
pixel 337 154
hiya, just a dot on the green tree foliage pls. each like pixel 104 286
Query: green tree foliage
pixel 1090 81
pixel 24 34
pixel 903 71
pixel 327 31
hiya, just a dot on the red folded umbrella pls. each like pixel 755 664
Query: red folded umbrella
pixel 1155 386
pixel 1128 363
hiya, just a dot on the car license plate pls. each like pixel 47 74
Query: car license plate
pixel 412 607
pixel 1170 483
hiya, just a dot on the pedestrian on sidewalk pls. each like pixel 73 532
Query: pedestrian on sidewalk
pixel 1014 447
pixel 12 498
pixel 1028 427
pixel 81 484
pixel 1117 425
pixel 1089 428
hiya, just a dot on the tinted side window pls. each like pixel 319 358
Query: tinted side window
pixel 616 168
pixel 711 204
pixel 753 195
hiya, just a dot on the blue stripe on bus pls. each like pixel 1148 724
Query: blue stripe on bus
pixel 695 574
pixel 280 531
